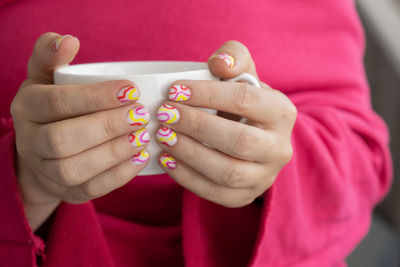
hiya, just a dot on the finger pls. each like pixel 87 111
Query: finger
pixel 261 106
pixel 230 60
pixel 42 103
pixel 230 137
pixel 216 166
pixel 72 136
pixel 51 50
pixel 79 168
pixel 201 186
pixel 108 180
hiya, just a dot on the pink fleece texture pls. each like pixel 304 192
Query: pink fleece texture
pixel 318 209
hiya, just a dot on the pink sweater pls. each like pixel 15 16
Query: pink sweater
pixel 320 205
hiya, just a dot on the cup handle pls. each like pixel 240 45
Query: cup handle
pixel 247 77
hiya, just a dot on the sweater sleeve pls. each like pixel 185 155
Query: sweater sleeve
pixel 18 245
pixel 323 199
pixel 70 224
pixel 320 205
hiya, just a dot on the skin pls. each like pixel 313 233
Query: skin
pixel 245 159
pixel 72 141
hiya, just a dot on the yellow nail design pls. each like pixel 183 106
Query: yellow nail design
pixel 138 116
pixel 167 161
pixel 166 136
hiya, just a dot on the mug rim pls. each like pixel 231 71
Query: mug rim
pixel 68 70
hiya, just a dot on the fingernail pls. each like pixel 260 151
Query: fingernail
pixel 229 60
pixel 166 136
pixel 141 157
pixel 138 116
pixel 179 93
pixel 57 43
pixel 139 138
pixel 127 94
pixel 167 161
pixel 168 114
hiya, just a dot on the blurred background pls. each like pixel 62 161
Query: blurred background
pixel 381 19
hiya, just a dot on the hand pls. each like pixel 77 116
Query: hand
pixel 243 160
pixel 74 142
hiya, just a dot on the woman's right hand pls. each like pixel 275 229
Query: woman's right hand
pixel 74 142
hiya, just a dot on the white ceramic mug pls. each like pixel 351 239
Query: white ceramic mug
pixel 153 79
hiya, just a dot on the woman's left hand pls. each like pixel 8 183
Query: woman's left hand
pixel 243 159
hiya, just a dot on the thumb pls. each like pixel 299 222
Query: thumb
pixel 230 60
pixel 51 51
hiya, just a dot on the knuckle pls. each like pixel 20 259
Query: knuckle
pixel 245 98
pixel 108 126
pixel 117 178
pixel 119 150
pixel 289 110
pixel 56 144
pixel 213 193
pixel 94 101
pixel 22 147
pixel 195 153
pixel 198 125
pixel 57 104
pixel 234 176
pixel 212 97
pixel 66 172
pixel 243 145
pixel 90 190
pixel 292 110
pixel 286 154
pixel 16 107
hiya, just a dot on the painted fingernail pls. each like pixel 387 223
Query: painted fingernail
pixel 167 161
pixel 139 138
pixel 166 136
pixel 138 116
pixel 168 114
pixel 57 43
pixel 141 157
pixel 179 93
pixel 128 94
pixel 229 60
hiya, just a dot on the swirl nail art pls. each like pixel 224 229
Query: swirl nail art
pixel 141 157
pixel 179 93
pixel 166 136
pixel 168 114
pixel 138 116
pixel 139 138
pixel 167 161
pixel 127 94
pixel 229 60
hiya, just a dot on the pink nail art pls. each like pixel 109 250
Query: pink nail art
pixel 139 138
pixel 166 136
pixel 229 60
pixel 167 161
pixel 138 116
pixel 141 157
pixel 179 93
pixel 168 114
pixel 127 94
pixel 57 43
